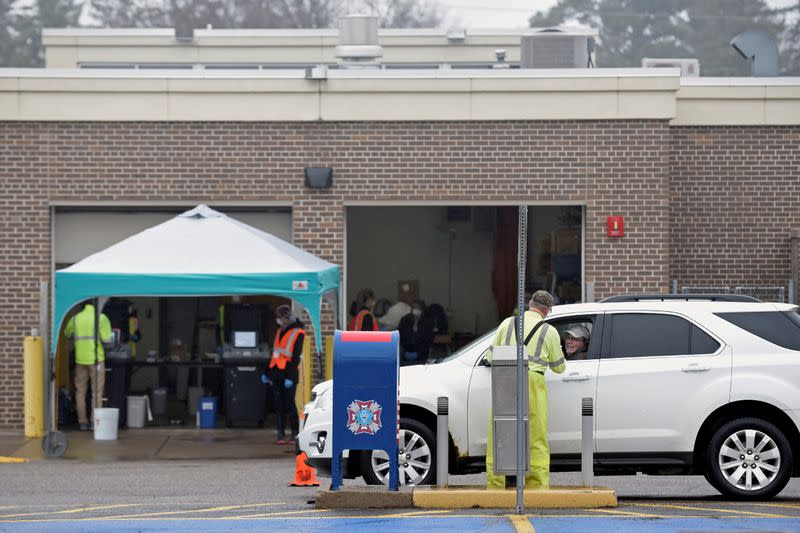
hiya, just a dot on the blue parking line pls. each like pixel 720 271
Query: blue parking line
pixel 428 524
pixel 311 525
pixel 665 525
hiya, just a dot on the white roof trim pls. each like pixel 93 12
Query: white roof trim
pixel 345 74
pixel 310 32
pixel 778 81
pixel 108 32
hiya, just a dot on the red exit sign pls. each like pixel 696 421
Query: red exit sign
pixel 616 226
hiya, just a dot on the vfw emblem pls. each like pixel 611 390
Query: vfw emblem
pixel 364 417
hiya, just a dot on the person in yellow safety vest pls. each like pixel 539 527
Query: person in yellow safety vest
pixel 544 351
pixel 361 316
pixel 282 374
pixel 89 358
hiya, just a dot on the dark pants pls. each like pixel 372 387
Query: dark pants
pixel 285 407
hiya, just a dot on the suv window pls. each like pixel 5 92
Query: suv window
pixel 648 335
pixel 587 322
pixel 776 327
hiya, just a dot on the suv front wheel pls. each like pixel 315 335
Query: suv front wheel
pixel 749 458
pixel 417 450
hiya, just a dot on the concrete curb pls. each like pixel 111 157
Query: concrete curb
pixel 554 498
pixel 378 497
pixel 467 497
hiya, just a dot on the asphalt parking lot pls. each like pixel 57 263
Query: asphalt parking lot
pixel 645 515
pixel 252 495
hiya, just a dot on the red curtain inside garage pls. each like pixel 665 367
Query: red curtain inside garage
pixel 504 274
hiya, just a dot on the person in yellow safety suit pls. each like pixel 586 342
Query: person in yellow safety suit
pixel 544 351
pixel 89 358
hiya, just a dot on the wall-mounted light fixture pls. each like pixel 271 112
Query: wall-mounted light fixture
pixel 319 177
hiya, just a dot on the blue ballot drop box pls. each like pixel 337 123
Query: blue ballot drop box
pixel 365 397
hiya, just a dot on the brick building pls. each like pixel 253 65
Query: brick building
pixel 705 171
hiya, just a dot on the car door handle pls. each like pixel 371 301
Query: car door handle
pixel 575 376
pixel 696 367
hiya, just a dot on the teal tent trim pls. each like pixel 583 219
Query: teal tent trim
pixel 306 288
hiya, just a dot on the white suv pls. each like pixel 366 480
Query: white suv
pixel 705 385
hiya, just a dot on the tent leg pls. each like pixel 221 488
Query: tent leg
pixel 54 443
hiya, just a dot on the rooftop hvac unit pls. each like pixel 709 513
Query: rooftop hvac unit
pixel 358 40
pixel 557 49
pixel 689 67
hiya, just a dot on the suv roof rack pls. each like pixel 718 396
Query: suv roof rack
pixel 679 298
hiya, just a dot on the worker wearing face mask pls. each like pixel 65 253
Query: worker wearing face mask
pixel 416 334
pixel 287 351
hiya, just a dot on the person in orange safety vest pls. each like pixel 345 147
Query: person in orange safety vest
pixel 361 316
pixel 283 374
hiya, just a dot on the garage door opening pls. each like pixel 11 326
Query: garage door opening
pixel 460 261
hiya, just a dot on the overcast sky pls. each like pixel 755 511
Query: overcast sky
pixel 510 13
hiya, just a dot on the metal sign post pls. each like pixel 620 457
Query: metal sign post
pixel 54 443
pixel 522 363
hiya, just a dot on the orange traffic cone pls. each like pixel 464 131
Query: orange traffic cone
pixel 304 475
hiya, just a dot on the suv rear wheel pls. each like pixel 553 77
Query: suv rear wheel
pixel 749 458
pixel 416 457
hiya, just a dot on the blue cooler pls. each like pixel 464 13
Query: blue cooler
pixel 207 412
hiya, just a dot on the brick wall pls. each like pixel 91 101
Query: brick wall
pixel 618 167
pixel 24 253
pixel 735 197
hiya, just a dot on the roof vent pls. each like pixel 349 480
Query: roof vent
pixel 500 54
pixel 690 68
pixel 456 35
pixel 758 47
pixel 358 41
pixel 557 48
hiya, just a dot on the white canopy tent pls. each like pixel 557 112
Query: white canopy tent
pixel 201 252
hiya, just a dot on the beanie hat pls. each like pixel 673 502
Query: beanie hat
pixel 284 312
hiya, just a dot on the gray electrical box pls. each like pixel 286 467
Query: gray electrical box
pixel 504 411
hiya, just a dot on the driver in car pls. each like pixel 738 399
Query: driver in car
pixel 576 342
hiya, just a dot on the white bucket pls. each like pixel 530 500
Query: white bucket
pixel 138 408
pixel 106 420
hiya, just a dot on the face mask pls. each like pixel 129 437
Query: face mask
pixel 417 312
